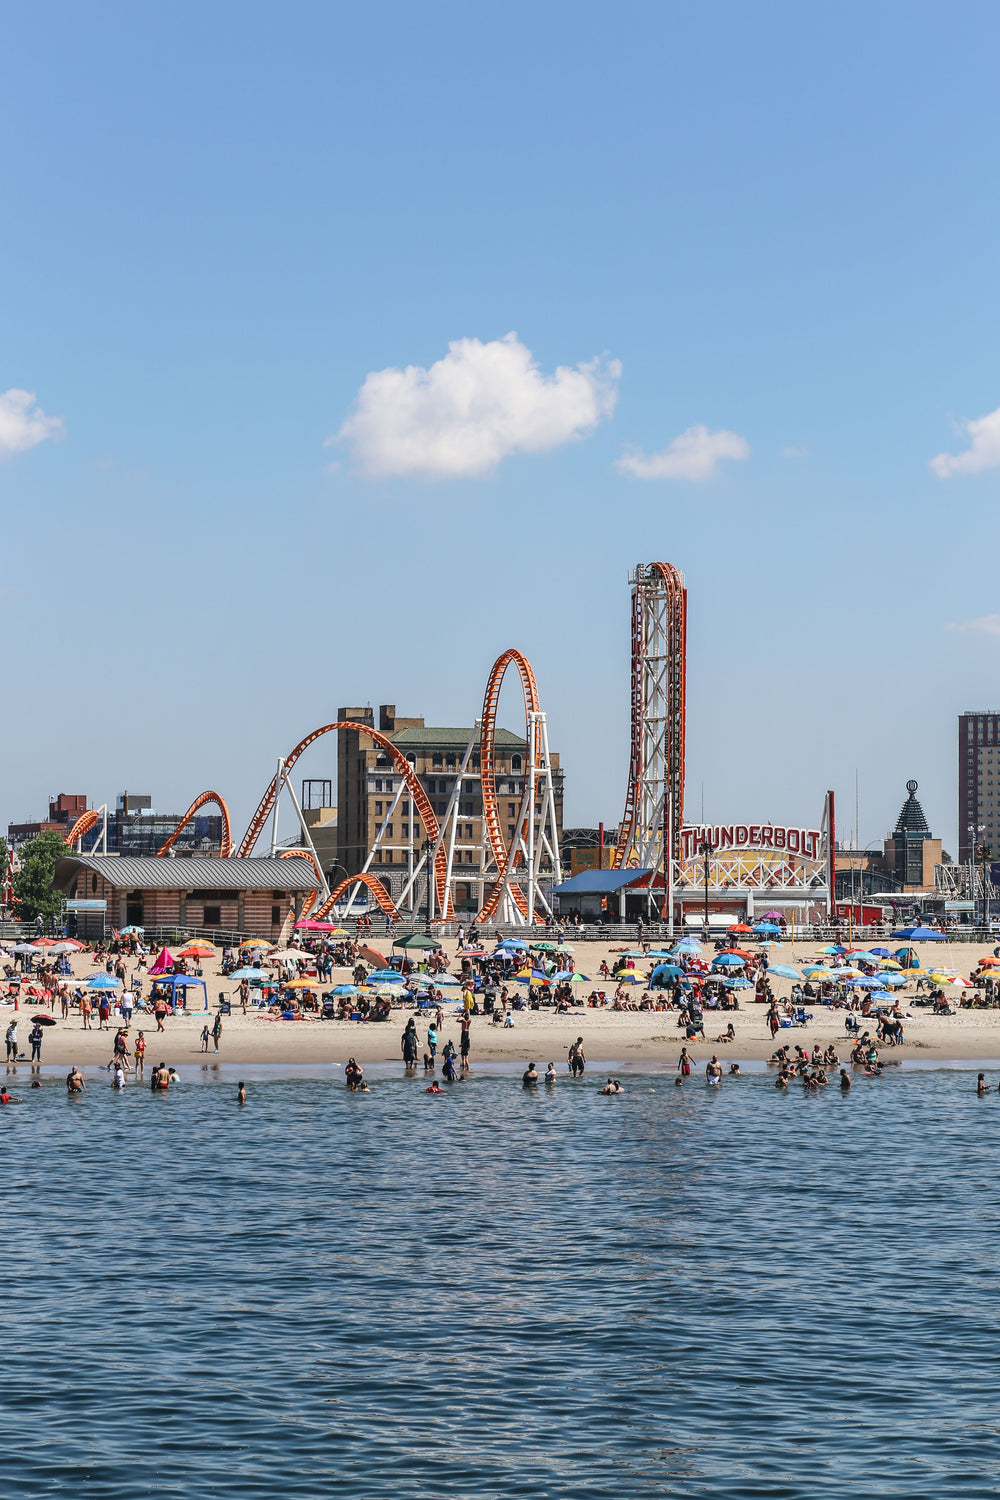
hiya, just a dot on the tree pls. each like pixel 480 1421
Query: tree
pixel 35 882
pixel 4 859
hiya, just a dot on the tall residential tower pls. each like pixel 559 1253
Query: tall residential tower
pixel 978 780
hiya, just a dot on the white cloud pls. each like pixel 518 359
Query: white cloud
pixel 984 453
pixel 984 625
pixel 472 408
pixel 23 424
pixel 693 455
pixel 788 451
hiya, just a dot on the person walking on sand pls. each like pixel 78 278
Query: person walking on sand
pixel 217 1029
pixel 35 1038
pixel 11 1035
pixel 85 1012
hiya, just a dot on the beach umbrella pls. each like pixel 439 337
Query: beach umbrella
pixel 766 927
pixel 510 944
pixel 544 947
pixel 197 950
pixel 739 927
pixel 889 963
pixel 739 983
pixel 629 979
pixel 882 952
pixel 739 952
pixel 772 916
pixel 255 943
pixel 45 942
pixel 989 963
pixel 345 989
pixel 416 940
pixel 847 972
pixel 579 978
pixel 102 982
pixel 631 953
pixel 308 925
pixel 255 976
pixel 880 995
pixel 784 971
pixel 72 944
pixel 666 971
pixel 25 948
pixel 299 984
pixel 728 961
pixel 819 973
pixel 833 948
pixel 384 976
pixel 919 934
pixel 562 975
pixel 472 953
pixel 373 956
pixel 893 981
pixel 445 981
pixel 131 928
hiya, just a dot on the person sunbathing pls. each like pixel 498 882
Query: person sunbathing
pixel 729 1035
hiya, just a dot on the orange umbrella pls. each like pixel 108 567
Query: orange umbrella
pixel 197 950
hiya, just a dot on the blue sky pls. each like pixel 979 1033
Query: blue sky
pixel 773 225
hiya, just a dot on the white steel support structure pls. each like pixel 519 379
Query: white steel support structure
pixel 537 836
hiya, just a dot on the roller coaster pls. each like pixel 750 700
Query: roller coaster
pixel 510 869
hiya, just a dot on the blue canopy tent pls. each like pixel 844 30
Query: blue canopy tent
pixel 183 982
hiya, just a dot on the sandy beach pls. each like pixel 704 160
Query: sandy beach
pixel 644 1038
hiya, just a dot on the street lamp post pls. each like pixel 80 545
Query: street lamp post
pixel 981 851
pixel 705 850
pixel 428 848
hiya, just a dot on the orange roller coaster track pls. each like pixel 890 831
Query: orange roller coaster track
pixel 487 759
pixel 83 824
pixel 373 883
pixel 421 805
pixel 199 802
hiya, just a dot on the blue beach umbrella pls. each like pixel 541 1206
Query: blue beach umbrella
pixel 834 948
pixel 894 981
pixel 103 982
pixel 766 927
pixel 919 934
pixel 784 971
pixel 729 961
pixel 384 976
pixel 882 952
pixel 739 983
pixel 255 976
pixel 512 943
pixel 345 989
pixel 666 971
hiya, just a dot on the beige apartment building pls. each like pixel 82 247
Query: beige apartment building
pixel 368 783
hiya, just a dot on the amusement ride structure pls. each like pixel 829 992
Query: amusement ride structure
pixel 517 872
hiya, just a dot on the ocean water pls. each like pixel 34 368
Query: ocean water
pixel 685 1292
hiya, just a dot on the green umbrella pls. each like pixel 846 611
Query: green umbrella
pixel 544 947
pixel 417 940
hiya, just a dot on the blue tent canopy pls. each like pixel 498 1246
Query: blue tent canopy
pixel 181 982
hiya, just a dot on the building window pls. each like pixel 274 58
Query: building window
pixel 275 916
pixel 468 830
pixel 450 762
pixel 437 762
pixel 416 830
pixel 515 762
pixel 405 830
pixel 387 857
pixel 510 830
pixel 378 809
pixel 405 805
pixel 212 917
pixel 511 809
pixel 388 830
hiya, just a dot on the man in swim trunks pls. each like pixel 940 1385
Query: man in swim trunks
pixel 577 1058
pixel 75 1082
pixel 713 1070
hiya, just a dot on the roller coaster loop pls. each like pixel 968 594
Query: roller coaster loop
pixel 487 759
pixel 420 803
pixel 199 802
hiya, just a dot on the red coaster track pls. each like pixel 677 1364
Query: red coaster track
pixel 199 802
pixel 487 761
pixel 413 786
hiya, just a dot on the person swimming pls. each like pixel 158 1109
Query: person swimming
pixel 845 1079
pixel 241 1093
pixel 529 1076
pixel 982 1087
pixel 435 1088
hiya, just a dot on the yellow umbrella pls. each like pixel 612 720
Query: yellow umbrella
pixel 819 973
pixel 300 984
pixel 256 943
pixel 889 963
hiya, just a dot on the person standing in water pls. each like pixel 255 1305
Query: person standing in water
pixel 241 1093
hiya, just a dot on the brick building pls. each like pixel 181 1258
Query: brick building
pixel 367 783
pixel 251 896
